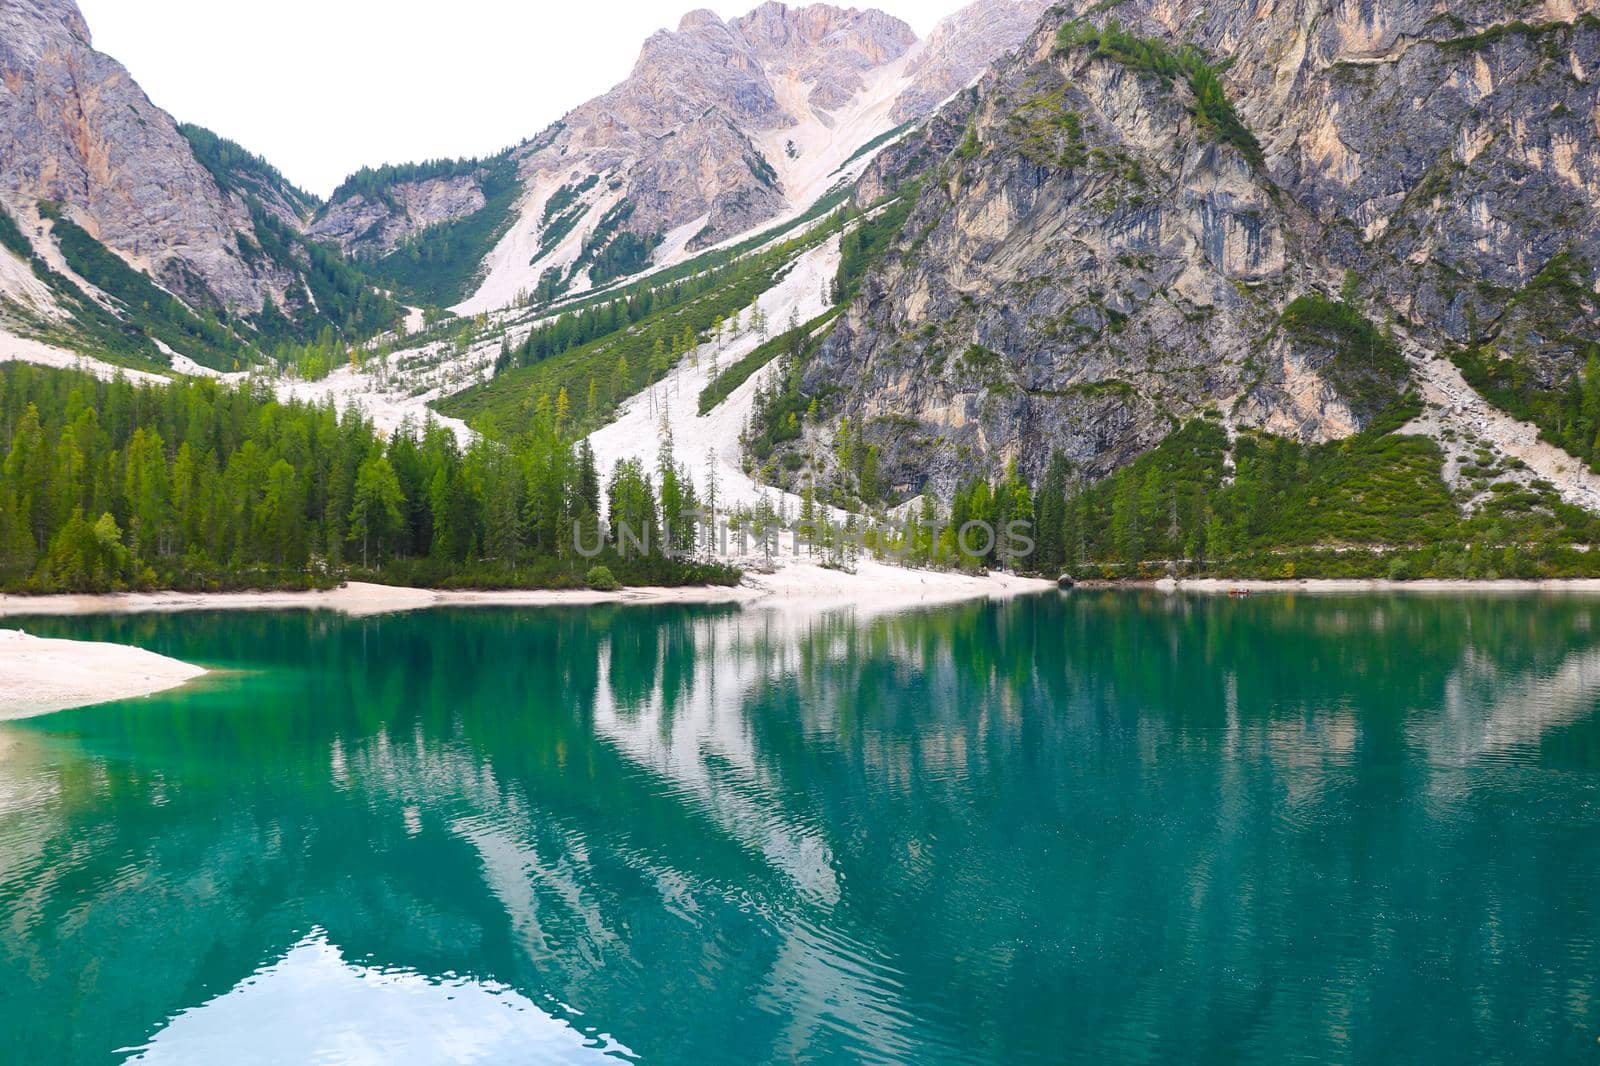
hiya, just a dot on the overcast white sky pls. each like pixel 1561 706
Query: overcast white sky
pixel 322 87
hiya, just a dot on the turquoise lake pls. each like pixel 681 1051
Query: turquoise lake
pixel 1106 827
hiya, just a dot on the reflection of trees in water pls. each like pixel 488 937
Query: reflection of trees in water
pixel 817 830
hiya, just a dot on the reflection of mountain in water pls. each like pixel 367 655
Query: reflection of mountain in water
pixel 716 836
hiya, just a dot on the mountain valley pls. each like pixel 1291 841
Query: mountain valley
pixel 1151 265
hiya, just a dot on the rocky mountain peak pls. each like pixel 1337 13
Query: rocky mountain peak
pixel 110 201
pixel 34 22
pixel 76 129
pixel 781 33
pixel 698 19
pixel 826 48
pixel 722 126
pixel 679 75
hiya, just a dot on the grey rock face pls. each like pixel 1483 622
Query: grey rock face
pixel 1087 284
pixel 961 48
pixel 823 47
pixel 678 133
pixel 369 227
pixel 1449 150
pixel 75 128
pixel 1089 267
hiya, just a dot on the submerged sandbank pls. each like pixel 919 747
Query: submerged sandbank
pixel 40 676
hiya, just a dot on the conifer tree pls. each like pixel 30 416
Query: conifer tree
pixel 375 511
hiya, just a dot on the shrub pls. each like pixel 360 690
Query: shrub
pixel 601 579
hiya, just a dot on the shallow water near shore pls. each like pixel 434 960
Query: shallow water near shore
pixel 1110 826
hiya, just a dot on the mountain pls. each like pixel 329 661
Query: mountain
pixel 150 238
pixel 1303 287
pixel 77 130
pixel 422 229
pixel 137 238
pixel 1168 211
pixel 720 128
pixel 960 49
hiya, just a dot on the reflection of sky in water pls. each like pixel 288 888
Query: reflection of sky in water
pixel 314 1007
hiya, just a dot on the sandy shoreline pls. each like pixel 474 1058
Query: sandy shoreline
pixel 874 587
pixel 41 676
pixel 355 599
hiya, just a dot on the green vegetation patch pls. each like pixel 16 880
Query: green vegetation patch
pixel 1211 110
pixel 438 266
pixel 559 229
pixel 1545 33
pixel 868 241
pixel 164 316
pixel 611 251
pixel 1542 331
pixel 568 195
pixel 1568 417
pixel 1367 369
pixel 790 343
pixel 12 238
pixel 1050 133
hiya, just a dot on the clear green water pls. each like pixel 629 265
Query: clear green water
pixel 1104 828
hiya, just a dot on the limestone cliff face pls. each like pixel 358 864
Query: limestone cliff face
pixel 961 48
pixel 683 132
pixel 1092 258
pixel 75 128
pixel 1448 149
pixel 371 224
pixel 1085 266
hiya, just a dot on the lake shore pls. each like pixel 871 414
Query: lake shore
pixel 42 676
pixel 874 587
pixel 1333 586
pixel 356 600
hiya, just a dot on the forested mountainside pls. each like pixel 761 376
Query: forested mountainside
pixel 1307 288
